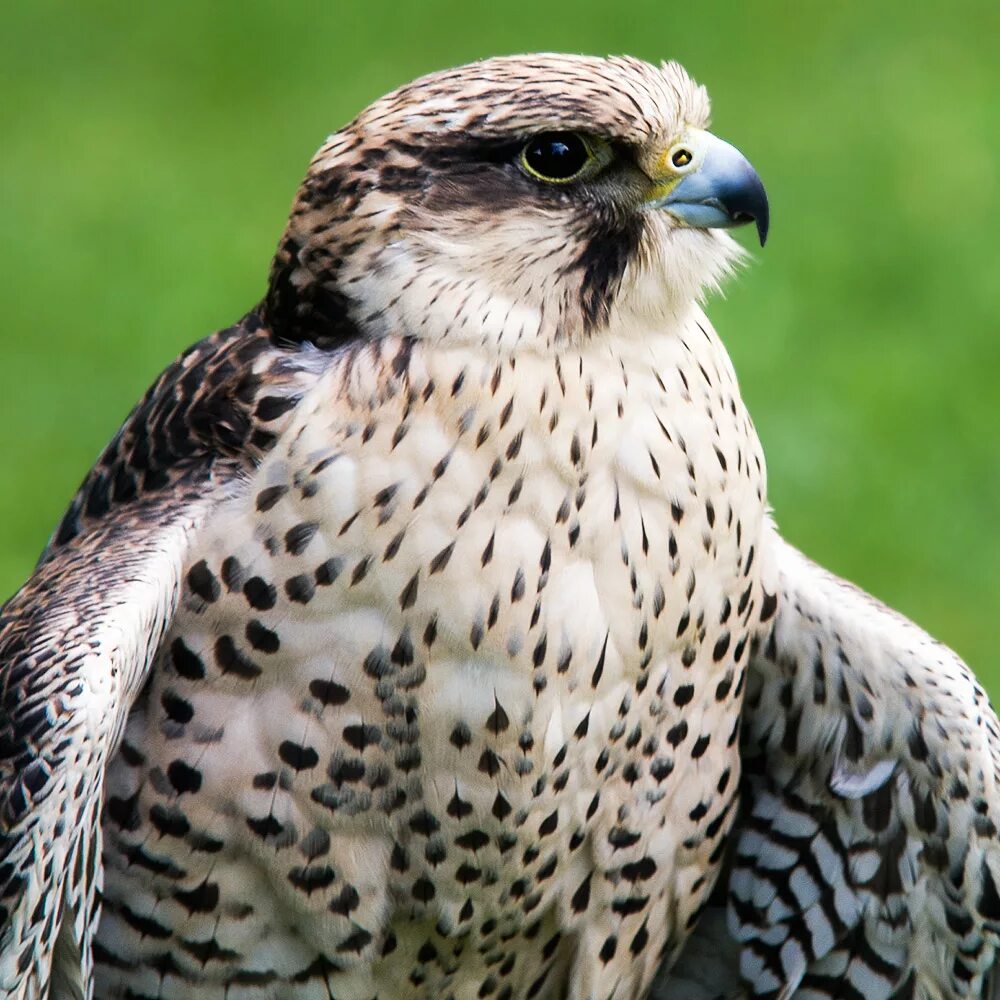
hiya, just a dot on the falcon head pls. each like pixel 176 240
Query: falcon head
pixel 523 201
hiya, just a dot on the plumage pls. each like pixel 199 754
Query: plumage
pixel 425 633
pixel 865 860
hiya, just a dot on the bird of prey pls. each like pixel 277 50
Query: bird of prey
pixel 426 634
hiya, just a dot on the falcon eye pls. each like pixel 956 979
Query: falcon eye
pixel 556 157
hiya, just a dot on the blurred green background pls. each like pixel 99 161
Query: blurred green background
pixel 149 152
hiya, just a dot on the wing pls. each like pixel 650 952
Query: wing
pixel 76 641
pixel 866 862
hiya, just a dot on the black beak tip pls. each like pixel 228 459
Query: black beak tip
pixel 763 222
pixel 748 203
pixel 760 221
pixel 758 208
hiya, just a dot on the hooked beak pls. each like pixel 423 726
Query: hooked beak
pixel 705 183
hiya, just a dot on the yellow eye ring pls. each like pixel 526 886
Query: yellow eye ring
pixel 556 157
pixel 680 158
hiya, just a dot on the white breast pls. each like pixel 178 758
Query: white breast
pixel 473 636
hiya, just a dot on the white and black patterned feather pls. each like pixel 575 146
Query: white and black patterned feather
pixel 866 856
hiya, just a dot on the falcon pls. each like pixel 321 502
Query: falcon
pixel 425 633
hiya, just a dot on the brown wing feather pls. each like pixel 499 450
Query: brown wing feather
pixel 223 399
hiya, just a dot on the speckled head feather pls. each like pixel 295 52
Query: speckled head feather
pixel 417 218
pixel 621 98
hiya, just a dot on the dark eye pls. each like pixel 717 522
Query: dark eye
pixel 556 156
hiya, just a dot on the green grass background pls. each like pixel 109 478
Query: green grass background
pixel 149 152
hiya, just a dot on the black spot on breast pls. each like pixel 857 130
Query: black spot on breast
pixel 489 763
pixel 473 840
pixel 265 826
pixel 461 736
pixel 297 756
pixel 640 940
pixel 328 571
pixel 183 777
pixel 629 906
pixel 177 708
pixel 683 695
pixel 501 807
pixel 408 596
pixel 677 734
pixel 547 870
pixel 185 662
pixel 259 593
pixel 423 890
pixel 721 647
pixel 620 837
pixel 399 859
pixel 231 661
pixel 268 497
pixel 639 871
pixel 203 583
pixel 169 822
pixel 378 663
pixel 661 768
pixel 466 873
pixel 608 949
pixel 440 561
pixel 424 823
pixel 329 692
pixel 346 901
pixel 361 736
pixel 549 824
pixel 864 706
pixel 297 538
pixel 300 589
pixel 261 637
pixel 311 878
pixel 458 808
pixel 200 841
pixel 699 812
pixel 232 574
pixel 876 807
pixel 599 668
pixel 538 653
pixel 124 813
pixel 347 771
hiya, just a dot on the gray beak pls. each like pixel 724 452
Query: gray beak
pixel 717 188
